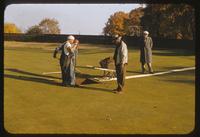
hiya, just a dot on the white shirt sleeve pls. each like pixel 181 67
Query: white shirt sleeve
pixel 67 45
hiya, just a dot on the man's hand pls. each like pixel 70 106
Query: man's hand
pixel 76 41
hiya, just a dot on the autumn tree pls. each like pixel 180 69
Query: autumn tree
pixel 11 28
pixel 34 30
pixel 117 24
pixel 49 26
pixel 46 26
pixel 135 27
pixel 161 20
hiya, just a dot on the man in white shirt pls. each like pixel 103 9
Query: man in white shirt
pixel 121 60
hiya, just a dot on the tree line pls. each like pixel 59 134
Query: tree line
pixel 175 21
pixel 46 26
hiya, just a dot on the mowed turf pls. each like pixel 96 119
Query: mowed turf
pixel 36 103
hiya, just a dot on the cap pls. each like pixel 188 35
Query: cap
pixel 146 32
pixel 70 37
pixel 117 37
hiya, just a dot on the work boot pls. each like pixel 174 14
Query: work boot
pixel 150 68
pixel 118 92
pixel 143 70
pixel 151 71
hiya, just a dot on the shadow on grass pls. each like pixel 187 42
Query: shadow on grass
pixel 82 75
pixel 50 82
pixel 164 69
pixel 45 79
pixel 179 77
pixel 33 79
pixel 28 49
pixel 191 82
pixel 29 73
pixel 180 73
pixel 138 72
pixel 88 75
pixel 175 52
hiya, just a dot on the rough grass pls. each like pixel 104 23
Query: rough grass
pixel 34 103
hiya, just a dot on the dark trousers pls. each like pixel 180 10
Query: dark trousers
pixel 121 73
pixel 65 69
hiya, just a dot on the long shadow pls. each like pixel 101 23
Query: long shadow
pixel 50 82
pixel 170 77
pixel 27 49
pixel 82 75
pixel 191 82
pixel 29 73
pixel 129 71
pixel 174 53
pixel 183 73
pixel 86 75
pixel 33 79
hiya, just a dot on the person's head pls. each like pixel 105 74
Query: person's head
pixel 145 33
pixel 71 39
pixel 117 40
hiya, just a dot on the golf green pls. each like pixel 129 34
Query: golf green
pixel 35 103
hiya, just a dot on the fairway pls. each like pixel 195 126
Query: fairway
pixel 37 103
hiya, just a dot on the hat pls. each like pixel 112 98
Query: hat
pixel 117 37
pixel 70 37
pixel 146 32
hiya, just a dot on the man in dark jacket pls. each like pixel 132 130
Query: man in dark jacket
pixel 121 60
pixel 146 52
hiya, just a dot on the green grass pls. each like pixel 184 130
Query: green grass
pixel 163 104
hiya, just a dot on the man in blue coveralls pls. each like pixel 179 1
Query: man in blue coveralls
pixel 67 61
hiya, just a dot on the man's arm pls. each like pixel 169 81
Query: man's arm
pixel 71 49
pixel 74 46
